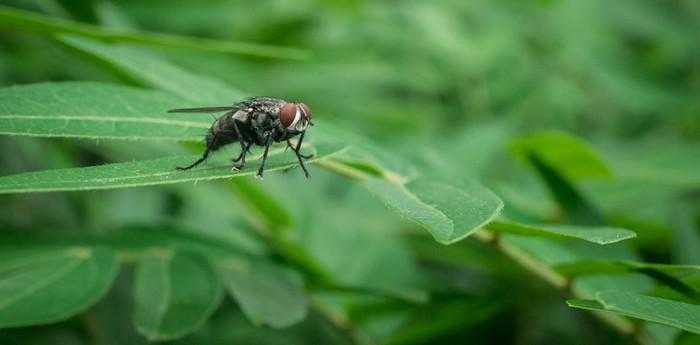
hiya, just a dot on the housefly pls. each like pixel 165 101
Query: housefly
pixel 255 121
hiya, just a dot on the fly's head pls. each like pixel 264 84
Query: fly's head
pixel 295 117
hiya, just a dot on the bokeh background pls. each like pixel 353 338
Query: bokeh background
pixel 448 85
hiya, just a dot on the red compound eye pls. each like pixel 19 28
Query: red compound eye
pixel 287 114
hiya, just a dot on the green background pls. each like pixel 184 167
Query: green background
pixel 485 172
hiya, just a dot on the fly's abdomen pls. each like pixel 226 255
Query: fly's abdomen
pixel 221 133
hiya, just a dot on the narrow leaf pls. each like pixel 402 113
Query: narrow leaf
pixel 153 172
pixel 39 286
pixel 96 111
pixel 677 314
pixel 599 235
pixel 662 273
pixel 448 212
pixel 50 26
pixel 154 71
pixel 268 294
pixel 175 293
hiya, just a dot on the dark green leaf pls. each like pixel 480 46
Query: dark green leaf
pixel 44 285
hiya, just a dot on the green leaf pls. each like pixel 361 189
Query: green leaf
pixel 152 70
pixel 47 25
pixel 45 285
pixel 584 267
pixel 599 235
pixel 268 294
pixel 677 314
pixel 663 274
pixel 448 212
pixel 686 231
pixel 575 205
pixel 569 155
pixel 155 172
pixel 96 111
pixel 263 207
pixel 175 293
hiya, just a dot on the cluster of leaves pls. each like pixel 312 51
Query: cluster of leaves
pixel 293 255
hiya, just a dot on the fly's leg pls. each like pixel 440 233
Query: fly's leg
pixel 241 157
pixel 301 162
pixel 199 161
pixel 268 142
pixel 299 155
pixel 238 134
pixel 242 154
pixel 298 147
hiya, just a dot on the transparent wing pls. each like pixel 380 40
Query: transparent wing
pixel 201 110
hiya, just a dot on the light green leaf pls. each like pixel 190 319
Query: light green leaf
pixel 448 212
pixel 175 293
pixel 268 294
pixel 155 172
pixel 45 285
pixel 677 314
pixel 569 155
pixel 152 70
pixel 599 235
pixel 96 111
pixel 47 25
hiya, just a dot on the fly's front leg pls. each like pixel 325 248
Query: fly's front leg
pixel 299 155
pixel 298 147
pixel 268 142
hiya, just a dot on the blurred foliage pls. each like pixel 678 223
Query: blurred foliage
pixel 547 131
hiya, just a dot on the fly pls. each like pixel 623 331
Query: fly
pixel 255 121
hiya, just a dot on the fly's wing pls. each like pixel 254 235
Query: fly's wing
pixel 202 110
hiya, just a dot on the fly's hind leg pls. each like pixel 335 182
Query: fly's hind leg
pixel 241 157
pixel 197 162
